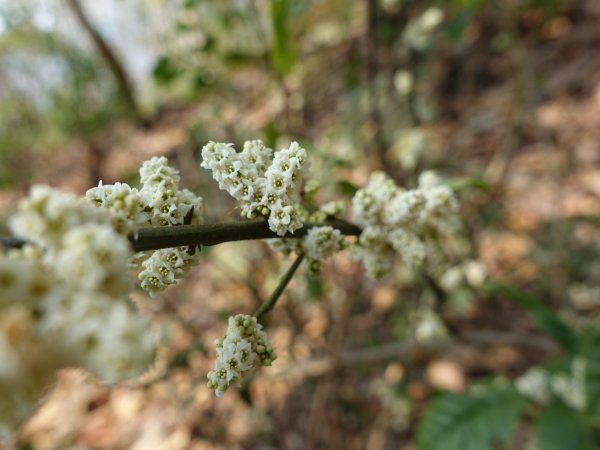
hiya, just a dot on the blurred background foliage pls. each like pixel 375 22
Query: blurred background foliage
pixel 500 97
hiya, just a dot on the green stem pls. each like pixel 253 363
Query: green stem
pixel 153 238
pixel 268 304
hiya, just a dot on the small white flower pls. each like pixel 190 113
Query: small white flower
pixel 163 267
pixel 243 348
pixel 322 242
pixel 266 184
pixel 157 172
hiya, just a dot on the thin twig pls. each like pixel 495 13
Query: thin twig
pixel 268 304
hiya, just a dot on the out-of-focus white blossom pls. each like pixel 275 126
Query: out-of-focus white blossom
pixel 244 348
pixel 103 334
pixel 570 387
pixel 403 82
pixel 22 280
pixel 94 258
pixel 64 301
pixel 535 385
pixel 584 297
pixel 403 221
pixel 158 202
pixel 410 148
pixel 395 408
pixel 429 326
pixel 265 184
pixel 417 34
pixel 320 243
pixel 469 272
pixel 45 215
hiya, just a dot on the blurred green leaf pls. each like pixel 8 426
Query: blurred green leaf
pixel 271 134
pixel 558 427
pixel 457 25
pixel 165 70
pixel 590 350
pixel 456 184
pixel 283 54
pixel 544 318
pixel 347 188
pixel 472 421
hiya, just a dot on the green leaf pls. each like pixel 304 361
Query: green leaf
pixel 472 421
pixel 544 318
pixel 590 350
pixel 558 427
pixel 347 188
pixel 283 55
pixel 456 184
pixel 457 25
pixel 164 70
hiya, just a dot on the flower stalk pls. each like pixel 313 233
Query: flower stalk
pixel 268 304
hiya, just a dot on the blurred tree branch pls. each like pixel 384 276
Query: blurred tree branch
pixel 115 66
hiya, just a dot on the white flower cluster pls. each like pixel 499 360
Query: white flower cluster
pixel 419 31
pixel 319 242
pixel 539 385
pixel 244 348
pixel 160 202
pixel 163 267
pixel 470 272
pixel 265 184
pixel 404 221
pixel 64 300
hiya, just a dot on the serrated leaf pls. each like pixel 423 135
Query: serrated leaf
pixel 544 318
pixel 471 421
pixel 558 427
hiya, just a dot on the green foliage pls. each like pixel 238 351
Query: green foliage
pixel 558 427
pixel 544 318
pixel 165 70
pixel 52 90
pixel 476 420
pixel 283 54
pixel 590 350
pixel 457 184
